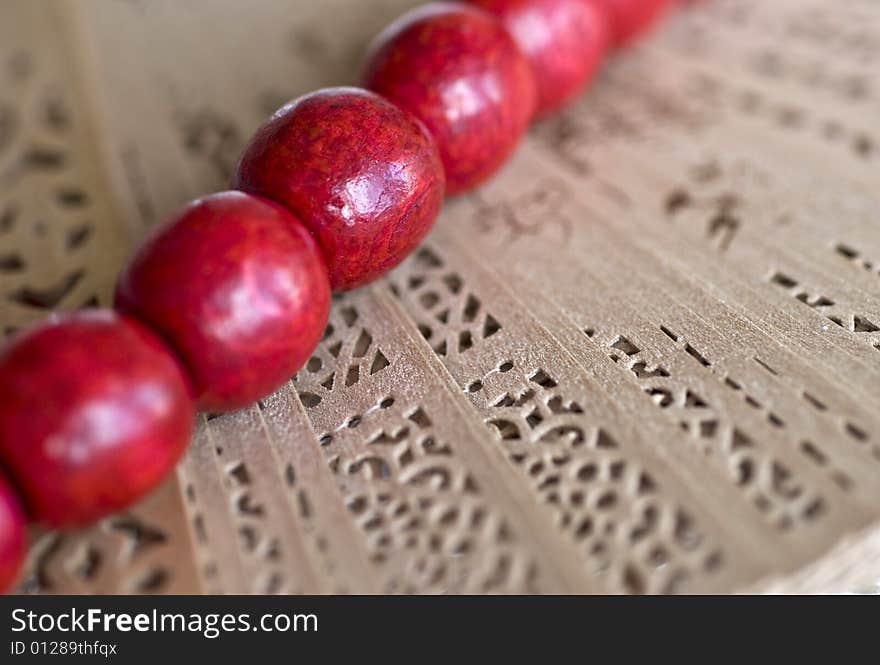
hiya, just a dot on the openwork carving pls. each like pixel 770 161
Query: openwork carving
pixel 855 257
pixel 134 552
pixel 345 356
pixel 450 317
pixel 609 504
pixel 52 222
pixel 428 528
pixel 775 490
pixel 841 316
pixel 118 546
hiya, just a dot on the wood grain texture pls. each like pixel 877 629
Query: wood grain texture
pixel 644 359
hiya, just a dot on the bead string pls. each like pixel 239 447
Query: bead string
pixel 229 298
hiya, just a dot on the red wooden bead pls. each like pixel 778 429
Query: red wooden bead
pixel 361 173
pixel 629 19
pixel 564 41
pixel 458 70
pixel 13 540
pixel 238 287
pixel 94 412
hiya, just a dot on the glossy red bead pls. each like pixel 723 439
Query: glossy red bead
pixel 564 41
pixel 630 19
pixel 13 537
pixel 94 412
pixel 361 173
pixel 457 69
pixel 238 287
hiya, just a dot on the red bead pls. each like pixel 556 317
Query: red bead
pixel 94 412
pixel 629 19
pixel 457 69
pixel 362 174
pixel 564 41
pixel 238 287
pixel 13 540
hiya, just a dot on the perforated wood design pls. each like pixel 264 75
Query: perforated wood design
pixel 644 359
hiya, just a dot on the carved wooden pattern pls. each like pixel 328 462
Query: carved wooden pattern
pixel 61 245
pixel 643 359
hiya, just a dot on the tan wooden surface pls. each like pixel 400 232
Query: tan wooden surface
pixel 645 358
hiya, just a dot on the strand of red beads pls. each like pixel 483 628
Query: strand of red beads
pixel 227 300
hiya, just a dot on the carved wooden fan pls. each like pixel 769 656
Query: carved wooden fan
pixel 644 359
